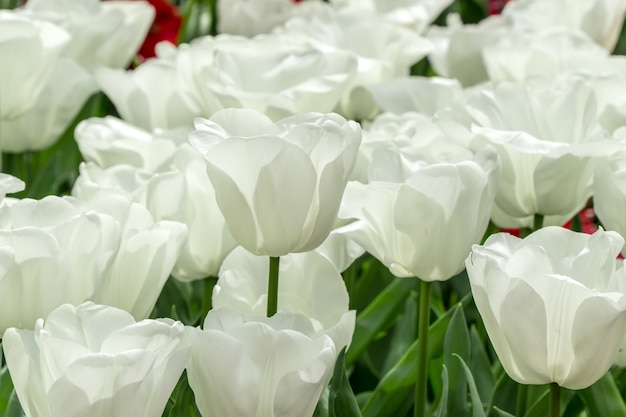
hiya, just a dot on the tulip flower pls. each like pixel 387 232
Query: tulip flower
pixel 396 146
pixel 547 161
pixel 251 18
pixel 52 253
pixel 9 184
pixel 167 178
pixel 553 304
pixel 458 48
pixel 600 19
pixel 103 33
pixel 289 76
pixel 309 284
pixel 550 53
pixel 278 185
pixel 609 193
pixel 413 14
pixel 384 50
pixel 109 141
pixel 148 96
pixel 29 49
pixel 496 6
pixel 258 366
pixel 166 26
pixel 93 360
pixel 60 100
pixel 146 247
pixel 425 226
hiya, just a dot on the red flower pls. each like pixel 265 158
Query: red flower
pixel 495 6
pixel 165 27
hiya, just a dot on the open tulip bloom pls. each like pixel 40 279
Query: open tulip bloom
pixel 95 360
pixel 257 366
pixel 553 304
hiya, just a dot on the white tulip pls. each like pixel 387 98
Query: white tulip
pixel 553 304
pixel 94 360
pixel 280 363
pixel 278 185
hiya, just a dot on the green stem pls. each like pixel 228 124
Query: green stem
pixel 207 296
pixel 422 349
pixel 537 222
pixel 555 400
pixel 522 399
pixel 272 287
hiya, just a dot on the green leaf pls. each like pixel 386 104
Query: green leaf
pixel 341 399
pixel 477 404
pixel 14 409
pixel 501 413
pixel 6 390
pixel 457 343
pixel 182 402
pixel 199 19
pixel 481 368
pixel 321 410
pixel 442 408
pixel 185 301
pixel 371 279
pixel 540 407
pixel 404 333
pixel 603 398
pixel 397 387
pixel 378 316
pixel 504 396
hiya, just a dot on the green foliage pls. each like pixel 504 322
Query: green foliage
pixel 199 19
pixel 182 402
pixel 341 399
pixel 9 4
pixel 188 302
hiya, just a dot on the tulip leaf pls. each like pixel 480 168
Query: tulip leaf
pixel 540 407
pixel 341 399
pixel 184 301
pixel 505 391
pixel 481 368
pixel 457 343
pixel 6 390
pixel 182 402
pixel 9 4
pixel 501 413
pixel 404 333
pixel 397 387
pixel 199 19
pixel 321 410
pixel 378 316
pixel 442 409
pixel 603 398
pixel 14 409
pixel 477 404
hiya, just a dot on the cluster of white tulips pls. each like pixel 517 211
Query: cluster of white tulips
pixel 285 158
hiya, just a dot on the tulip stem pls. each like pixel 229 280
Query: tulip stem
pixel 522 398
pixel 272 286
pixel 422 349
pixel 537 222
pixel 555 400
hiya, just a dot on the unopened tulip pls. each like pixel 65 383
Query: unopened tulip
pixel 278 185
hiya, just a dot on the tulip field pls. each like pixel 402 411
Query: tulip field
pixel 307 208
